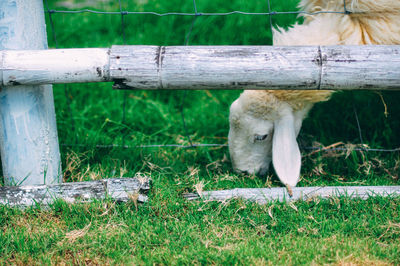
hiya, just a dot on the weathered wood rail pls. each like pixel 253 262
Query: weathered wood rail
pixel 264 195
pixel 118 189
pixel 209 67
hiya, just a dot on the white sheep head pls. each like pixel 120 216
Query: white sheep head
pixel 264 129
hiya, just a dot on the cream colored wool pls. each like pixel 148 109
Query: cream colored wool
pixel 370 22
pixel 257 117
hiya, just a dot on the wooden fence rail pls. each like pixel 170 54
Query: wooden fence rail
pixel 209 67
pixel 118 189
pixel 264 195
pixel 28 134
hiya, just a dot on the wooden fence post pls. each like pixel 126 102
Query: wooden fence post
pixel 28 133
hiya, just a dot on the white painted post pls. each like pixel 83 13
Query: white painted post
pixel 28 133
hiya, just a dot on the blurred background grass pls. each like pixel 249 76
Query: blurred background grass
pixel 92 114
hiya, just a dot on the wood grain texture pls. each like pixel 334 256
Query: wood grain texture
pixel 373 67
pixel 118 189
pixel 256 67
pixel 215 67
pixel 265 195
pixel 360 67
pixel 55 66
pixel 137 66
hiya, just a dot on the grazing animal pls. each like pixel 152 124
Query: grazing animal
pixel 264 124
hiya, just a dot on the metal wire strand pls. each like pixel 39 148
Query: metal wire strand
pixel 236 12
pixel 217 145
pixel 51 23
pixel 270 15
pixel 185 92
pixel 358 124
pixel 66 88
pixel 195 15
pixel 123 13
pixel 125 93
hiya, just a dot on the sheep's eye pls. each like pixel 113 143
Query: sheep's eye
pixel 260 137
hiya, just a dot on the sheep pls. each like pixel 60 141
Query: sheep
pixel 264 124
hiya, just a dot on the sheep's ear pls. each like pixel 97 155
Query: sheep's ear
pixel 285 151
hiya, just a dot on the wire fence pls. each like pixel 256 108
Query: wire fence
pixel 195 14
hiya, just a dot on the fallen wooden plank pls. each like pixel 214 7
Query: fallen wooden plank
pixel 264 195
pixel 118 189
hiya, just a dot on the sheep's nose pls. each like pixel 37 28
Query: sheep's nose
pixel 262 171
pixel 240 171
pixel 258 171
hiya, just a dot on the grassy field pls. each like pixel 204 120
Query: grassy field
pixel 168 229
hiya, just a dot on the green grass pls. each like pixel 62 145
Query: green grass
pixel 168 229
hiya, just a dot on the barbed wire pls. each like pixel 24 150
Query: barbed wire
pixel 195 14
